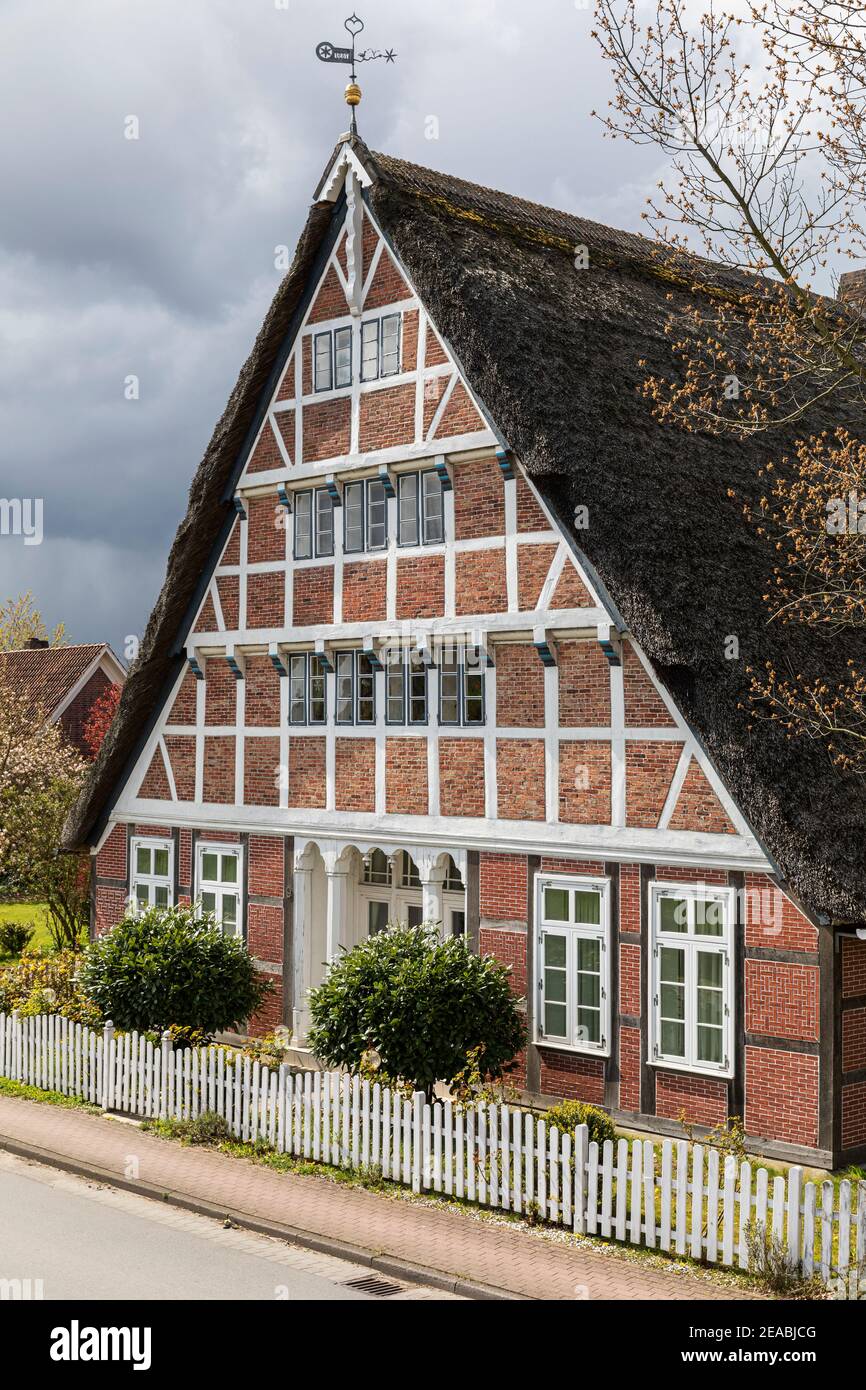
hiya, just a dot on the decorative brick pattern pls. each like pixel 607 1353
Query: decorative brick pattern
pixel 520 775
pixel 533 563
pixel 110 909
pixel 480 581
pixel 853 1039
pixel 181 755
pixel 266 599
pixel 154 785
pixel 406 776
pixel 584 782
pixel 219 769
pixel 461 776
pixel 510 948
pixel 262 703
pixel 781 1095
pixel 326 429
pixel 644 707
pixel 629 980
pixel 773 920
pixel 420 586
pixel 571 1075
pixel 111 859
pixel 266 868
pixel 184 866
pixel 364 591
pixel 330 302
pixel 479 500
pixel 781 1000
pixel 265 931
pixel 853 968
pixel 183 709
pixel 221 692
pixel 530 516
pixel 387 418
pixel 703 1098
pixel 698 807
pixel 307 772
pixel 649 770
pixel 584 686
pixel 270 1015
pixel 854 1114
pixel 261 771
pixel 502 887
pixel 629 1069
pixel 228 588
pixel 313 597
pixel 519 686
pixel 355 774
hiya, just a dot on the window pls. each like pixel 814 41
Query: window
pixel 461 687
pixel 380 347
pixel 691 977
pixel 420 508
pixel 152 879
pixel 406 689
pixel 365 509
pixel 377 869
pixel 332 359
pixel 356 688
pixel 218 885
pixel 410 877
pixel 417 690
pixel 571 963
pixel 314 523
pixel 307 691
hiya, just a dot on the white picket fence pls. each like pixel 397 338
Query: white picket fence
pixel 694 1202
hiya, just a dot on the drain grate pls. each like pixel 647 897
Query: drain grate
pixel 374 1285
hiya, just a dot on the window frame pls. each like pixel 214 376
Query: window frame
pixel 220 889
pixel 379 322
pixel 314 494
pixel 304 661
pixel 366 485
pixel 463 672
pixel 692 942
pixel 355 657
pixel 573 932
pixel 421 518
pixel 153 880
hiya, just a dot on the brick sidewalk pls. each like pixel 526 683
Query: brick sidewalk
pixel 511 1260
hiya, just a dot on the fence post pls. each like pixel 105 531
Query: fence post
pixel 795 1188
pixel 16 1046
pixel 166 1050
pixel 107 1066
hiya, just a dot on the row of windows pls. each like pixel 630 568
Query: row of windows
pixel 420 515
pixel 461 689
pixel 690 984
pixel 380 353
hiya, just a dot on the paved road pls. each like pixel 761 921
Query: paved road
pixel 87 1241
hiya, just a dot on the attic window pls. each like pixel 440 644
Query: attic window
pixel 332 359
pixel 380 347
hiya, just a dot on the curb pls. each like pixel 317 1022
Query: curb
pixel 323 1245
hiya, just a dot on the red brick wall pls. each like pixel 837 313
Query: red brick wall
pixel 181 755
pixel 571 1075
pixel 313 596
pixel 644 707
pixel 530 516
pixel 629 980
pixel 76 714
pixel 111 859
pixel 782 1000
pixel 853 967
pixel 406 776
pixel 330 302
pixel 364 591
pixel 853 1039
pixel 520 775
pixel 221 692
pixel 420 586
pixel 502 886
pixel 461 776
pixel 219 768
pixel 649 770
pixel 307 771
pixel 228 589
pixel 854 1114
pixel 703 1098
pixel 387 418
pixel 265 455
pixel 388 286
pixel 154 784
pixel 519 687
pixel 584 782
pixel 355 774
pixel 266 600
pixel 698 807
pixel 110 908
pixel 265 931
pixel 584 685
pixel 266 532
pixel 629 1069
pixel 410 340
pixel 327 429
pixel 270 1015
pixel 459 416
pixel 261 771
pixel 266 868
pixel 480 581
pixel 510 948
pixel 781 1094
pixel 533 563
pixel 773 920
pixel 183 709
pixel 479 500
pixel 262 706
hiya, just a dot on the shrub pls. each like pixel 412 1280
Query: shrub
pixel 172 966
pixel 47 984
pixel 571 1113
pixel 15 937
pixel 208 1129
pixel 421 1003
pixel 768 1262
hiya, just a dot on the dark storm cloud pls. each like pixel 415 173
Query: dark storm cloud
pixel 155 257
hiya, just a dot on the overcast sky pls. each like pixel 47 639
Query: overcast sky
pixel 155 257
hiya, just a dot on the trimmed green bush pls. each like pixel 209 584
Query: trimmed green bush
pixel 422 1003
pixel 172 967
pixel 15 937
pixel 571 1113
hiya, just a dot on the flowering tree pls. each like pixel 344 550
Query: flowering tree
pixel 764 125
pixel 40 777
pixel 99 719
pixel 20 621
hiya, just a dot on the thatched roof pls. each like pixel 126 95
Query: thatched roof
pixel 554 355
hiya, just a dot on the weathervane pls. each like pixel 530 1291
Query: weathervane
pixel 329 53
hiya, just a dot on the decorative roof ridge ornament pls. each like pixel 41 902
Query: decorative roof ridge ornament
pixel 330 53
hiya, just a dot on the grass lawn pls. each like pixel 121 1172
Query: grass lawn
pixel 35 914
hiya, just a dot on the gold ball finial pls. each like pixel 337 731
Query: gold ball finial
pixel 353 94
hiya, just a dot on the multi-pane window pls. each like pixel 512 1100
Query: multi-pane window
pixel 691 977
pixel 406 689
pixel 332 359
pixel 314 523
pixel 356 688
pixel 307 690
pixel 152 873
pixel 420 508
pixel 365 516
pixel 461 687
pixel 218 885
pixel 380 347
pixel 572 963
pixel 377 869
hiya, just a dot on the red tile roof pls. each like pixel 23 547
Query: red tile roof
pixel 47 674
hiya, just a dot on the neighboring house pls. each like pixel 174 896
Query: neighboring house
pixel 65 682
pixel 390 677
